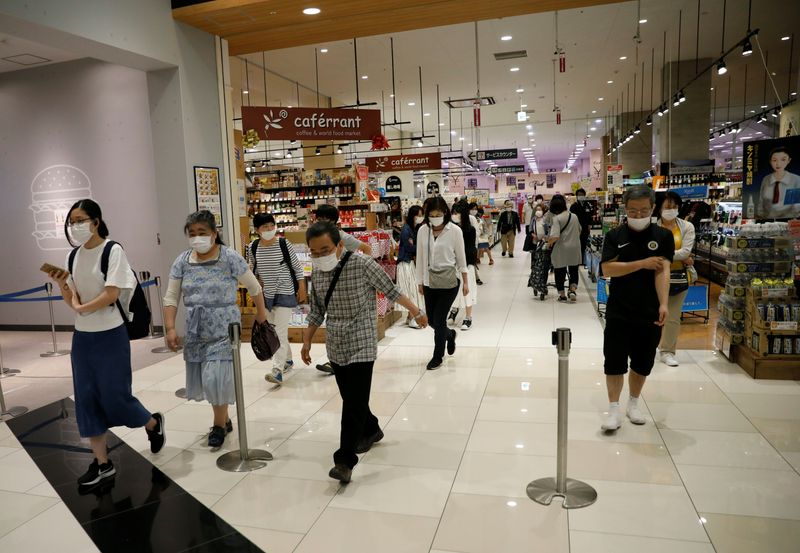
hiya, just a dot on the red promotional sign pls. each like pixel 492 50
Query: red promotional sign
pixel 476 116
pixel 281 123
pixel 411 162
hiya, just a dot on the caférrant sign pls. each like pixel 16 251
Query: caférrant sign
pixel 281 123
pixel 408 162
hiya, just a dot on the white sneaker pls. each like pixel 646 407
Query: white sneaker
pixel 412 323
pixel 669 359
pixel 613 421
pixel 634 414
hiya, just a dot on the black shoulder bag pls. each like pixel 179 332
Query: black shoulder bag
pixel 337 273
pixel 287 259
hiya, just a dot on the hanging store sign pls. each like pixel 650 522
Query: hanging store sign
pixel 280 123
pixel 691 192
pixel 507 169
pixel 614 175
pixel 487 155
pixel 411 162
pixel 394 184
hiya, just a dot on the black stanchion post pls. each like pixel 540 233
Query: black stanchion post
pixel 10 411
pixel 244 460
pixel 56 352
pixel 164 348
pixel 144 276
pixel 576 494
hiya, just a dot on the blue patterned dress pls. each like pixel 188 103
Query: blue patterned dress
pixel 209 294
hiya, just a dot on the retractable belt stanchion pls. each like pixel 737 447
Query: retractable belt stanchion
pixel 164 348
pixel 10 411
pixel 5 371
pixel 576 494
pixel 56 352
pixel 144 277
pixel 244 460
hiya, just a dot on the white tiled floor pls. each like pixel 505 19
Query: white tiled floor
pixel 715 468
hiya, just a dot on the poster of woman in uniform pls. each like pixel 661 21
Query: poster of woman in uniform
pixel 771 187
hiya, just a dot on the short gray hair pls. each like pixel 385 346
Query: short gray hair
pixel 639 192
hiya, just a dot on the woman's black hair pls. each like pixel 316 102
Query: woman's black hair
pixel 327 212
pixel 780 150
pixel 436 203
pixel 203 217
pixel 261 219
pixel 413 211
pixel 92 209
pixel 462 208
pixel 558 204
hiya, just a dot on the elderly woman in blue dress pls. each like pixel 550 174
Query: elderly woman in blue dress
pixel 207 276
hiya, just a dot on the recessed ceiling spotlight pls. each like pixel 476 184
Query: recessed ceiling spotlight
pixel 391 95
pixel 642 21
pixel 623 58
pixel 452 133
pixel 523 105
pixel 461 138
pixel 609 82
pixel 594 111
pixel 412 104
pixel 245 92
pixel 426 114
pixel 324 50
pixel 529 127
pixel 598 121
pixel 514 69
pixel 441 124
pixel 520 90
pixel 470 144
pixel 785 37
pixel 365 77
pixel 311 11
pixel 600 99
pixel 592 128
pixel 530 133
pixel 506 38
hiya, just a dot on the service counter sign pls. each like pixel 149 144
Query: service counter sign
pixel 281 123
pixel 410 162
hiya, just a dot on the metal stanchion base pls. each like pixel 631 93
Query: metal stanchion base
pixel 57 353
pixel 233 462
pixel 156 335
pixel 162 349
pixel 181 393
pixel 579 494
pixel 13 412
pixel 5 371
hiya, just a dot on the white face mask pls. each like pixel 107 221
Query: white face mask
pixel 325 264
pixel 418 220
pixel 474 213
pixel 508 208
pixel 82 232
pixel 436 221
pixel 201 244
pixel 539 214
pixel 639 224
pixel 669 214
pixel 456 218
pixel 269 234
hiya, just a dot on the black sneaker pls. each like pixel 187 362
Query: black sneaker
pixel 504 254
pixel 342 473
pixel 451 343
pixel 453 315
pixel 158 435
pixel 229 426
pixel 366 444
pixel 326 368
pixel 467 324
pixel 97 473
pixel 216 437
pixel 479 281
pixel 434 364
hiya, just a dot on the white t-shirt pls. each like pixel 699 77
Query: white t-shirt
pixel 87 280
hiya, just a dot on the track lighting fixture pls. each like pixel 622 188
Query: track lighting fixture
pixel 681 97
pixel 762 118
pixel 288 155
pixel 666 108
pixel 721 68
pixel 661 110
pixel 339 150
pixel 711 136
pixel 776 113
pixel 722 133
pixel 676 101
pixel 747 48
pixel 637 130
pixel 317 151
pixel 649 120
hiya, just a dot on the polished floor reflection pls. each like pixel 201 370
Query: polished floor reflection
pixel 714 469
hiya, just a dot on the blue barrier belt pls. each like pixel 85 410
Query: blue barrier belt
pixel 4 299
pixel 41 288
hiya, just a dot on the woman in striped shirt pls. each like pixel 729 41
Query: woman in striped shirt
pixel 275 263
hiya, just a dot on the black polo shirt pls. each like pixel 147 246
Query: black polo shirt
pixel 633 297
pixel 585 212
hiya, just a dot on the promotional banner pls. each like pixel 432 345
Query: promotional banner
pixel 280 123
pixel 614 173
pixel 771 188
pixel 409 162
pixel 207 193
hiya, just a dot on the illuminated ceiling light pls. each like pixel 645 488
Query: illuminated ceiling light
pixel 592 128
pixel 365 77
pixel 623 58
pixel 676 101
pixel 747 48
pixel 514 69
pixel 609 82
pixel 598 121
pixel 530 133
pixel 391 95
pixel 419 144
pixel 594 111
pixel 245 92
pixel 600 99
pixel 311 11
pixel 324 50
pixel 523 106
pixel 461 138
pixel 426 114
pixel 506 38
pixel 666 108
pixel 339 150
pixel 412 104
pixel 529 127
pixel 441 124
pixel 721 68
pixel 660 110
pixel 649 120
pixel 452 133
pixel 637 130
pixel 288 155
pixel 642 21
pixel 520 90
pixel 681 97
pixel 317 152
pixel 722 133
pixel 785 37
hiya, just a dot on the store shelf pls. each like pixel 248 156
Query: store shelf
pixel 276 200
pixel 297 187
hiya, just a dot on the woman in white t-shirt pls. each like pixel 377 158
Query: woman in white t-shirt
pixel 101 349
pixel 441 271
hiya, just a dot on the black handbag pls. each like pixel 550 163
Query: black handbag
pixel 264 340
pixel 529 244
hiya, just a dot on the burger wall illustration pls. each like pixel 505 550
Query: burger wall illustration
pixel 53 192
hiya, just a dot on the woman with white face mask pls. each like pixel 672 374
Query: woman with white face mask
pixel 207 276
pixel 406 261
pixel 274 262
pixel 441 260
pixel 101 349
pixel 680 271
